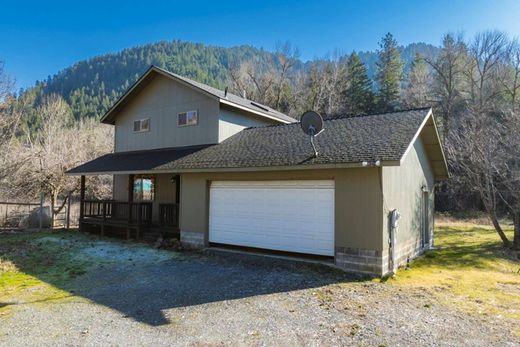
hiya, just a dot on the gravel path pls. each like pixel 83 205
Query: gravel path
pixel 241 300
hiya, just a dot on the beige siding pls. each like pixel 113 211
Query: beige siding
pixel 164 191
pixel 403 191
pixel 161 101
pixel 357 202
pixel 232 121
pixel 120 191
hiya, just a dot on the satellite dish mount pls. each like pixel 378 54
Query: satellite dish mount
pixel 312 125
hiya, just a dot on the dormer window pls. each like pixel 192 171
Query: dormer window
pixel 141 125
pixel 187 118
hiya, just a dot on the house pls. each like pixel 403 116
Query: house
pixel 222 170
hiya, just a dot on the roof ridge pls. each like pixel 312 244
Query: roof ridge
pixel 376 113
pixel 328 119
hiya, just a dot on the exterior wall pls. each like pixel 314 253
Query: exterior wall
pixel 161 101
pixel 232 121
pixel 402 189
pixel 164 191
pixel 357 204
pixel 120 188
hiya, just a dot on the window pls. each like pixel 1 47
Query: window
pixel 144 188
pixel 187 118
pixel 141 125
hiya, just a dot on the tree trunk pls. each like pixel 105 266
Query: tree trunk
pixel 516 237
pixel 499 230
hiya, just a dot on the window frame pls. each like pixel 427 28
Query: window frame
pixel 196 112
pixel 141 121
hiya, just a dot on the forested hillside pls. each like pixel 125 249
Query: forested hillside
pixel 92 85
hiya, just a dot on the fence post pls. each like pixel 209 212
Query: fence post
pixel 68 210
pixel 41 212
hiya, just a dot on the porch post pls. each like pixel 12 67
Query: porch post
pixel 81 201
pixel 177 206
pixel 130 203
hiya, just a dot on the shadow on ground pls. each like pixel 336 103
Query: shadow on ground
pixel 143 291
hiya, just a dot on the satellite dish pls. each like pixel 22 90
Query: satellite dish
pixel 312 124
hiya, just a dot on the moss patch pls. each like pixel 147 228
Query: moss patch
pixel 34 268
pixel 469 270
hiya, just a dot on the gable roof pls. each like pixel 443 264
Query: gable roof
pixel 345 140
pixel 229 99
pixel 348 141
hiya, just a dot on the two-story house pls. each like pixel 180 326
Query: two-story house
pixel 222 170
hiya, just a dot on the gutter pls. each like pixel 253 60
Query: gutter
pixel 244 169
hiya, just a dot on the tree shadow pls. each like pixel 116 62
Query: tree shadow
pixel 146 291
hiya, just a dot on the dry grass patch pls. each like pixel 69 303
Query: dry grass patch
pixel 7 266
pixel 469 269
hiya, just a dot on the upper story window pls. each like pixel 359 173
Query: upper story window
pixel 141 125
pixel 187 118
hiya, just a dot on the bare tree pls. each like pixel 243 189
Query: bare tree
pixel 269 82
pixel 9 121
pixel 474 153
pixel 41 159
pixel 511 80
pixel 488 51
pixel 447 78
pixel 416 92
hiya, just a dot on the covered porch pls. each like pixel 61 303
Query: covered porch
pixel 145 195
pixel 143 205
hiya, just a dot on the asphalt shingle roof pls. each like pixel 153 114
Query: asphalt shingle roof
pixel 134 160
pixel 348 139
pixel 369 138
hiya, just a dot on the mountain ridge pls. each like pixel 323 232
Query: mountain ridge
pixel 92 85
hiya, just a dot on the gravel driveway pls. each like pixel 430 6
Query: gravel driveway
pixel 231 299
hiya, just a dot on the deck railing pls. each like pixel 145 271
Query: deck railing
pixel 169 215
pixel 139 213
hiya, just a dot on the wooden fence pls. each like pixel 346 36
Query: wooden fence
pixel 15 215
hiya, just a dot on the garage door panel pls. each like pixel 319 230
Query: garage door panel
pixel 295 216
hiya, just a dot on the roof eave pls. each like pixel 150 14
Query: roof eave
pixel 444 172
pixel 232 104
pixel 244 169
pixel 108 116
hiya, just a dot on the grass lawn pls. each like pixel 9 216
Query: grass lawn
pixel 38 267
pixel 468 270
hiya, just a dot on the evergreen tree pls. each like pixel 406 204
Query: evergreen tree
pixel 359 97
pixel 389 74
pixel 416 92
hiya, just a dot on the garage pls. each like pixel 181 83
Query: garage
pixel 290 215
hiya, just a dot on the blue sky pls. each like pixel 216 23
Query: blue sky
pixel 38 38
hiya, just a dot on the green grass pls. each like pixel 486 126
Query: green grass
pixel 469 270
pixel 35 267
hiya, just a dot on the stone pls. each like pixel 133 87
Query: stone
pixel 32 220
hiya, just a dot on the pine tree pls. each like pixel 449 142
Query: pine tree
pixel 416 92
pixel 359 97
pixel 389 74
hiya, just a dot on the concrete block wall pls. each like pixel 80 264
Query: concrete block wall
pixel 192 240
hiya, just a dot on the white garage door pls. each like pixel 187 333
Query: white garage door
pixel 293 216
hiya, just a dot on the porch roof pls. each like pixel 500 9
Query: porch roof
pixel 133 161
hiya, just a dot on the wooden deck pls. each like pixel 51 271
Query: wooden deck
pixel 133 217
